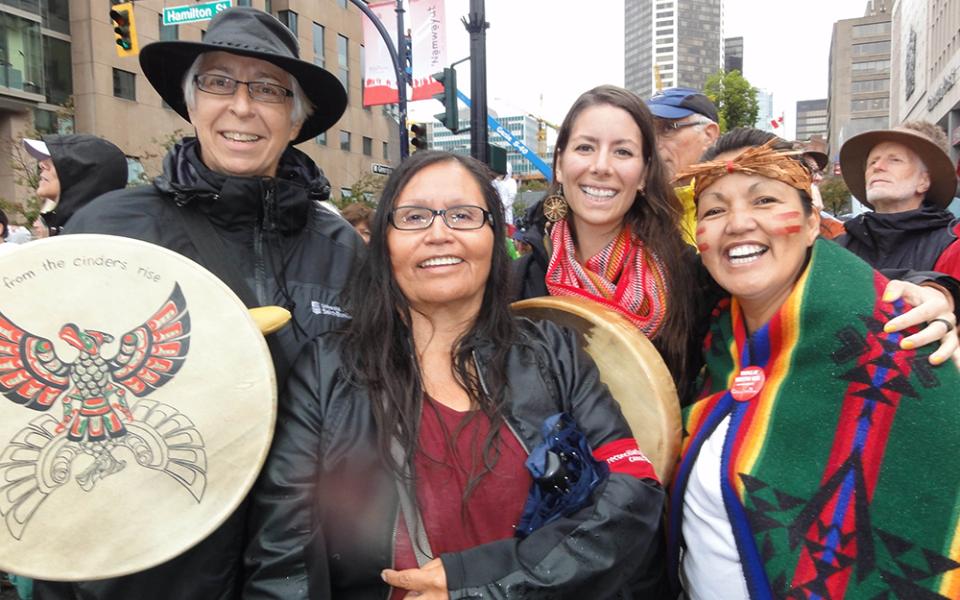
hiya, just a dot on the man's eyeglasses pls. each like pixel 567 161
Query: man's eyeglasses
pixel 409 218
pixel 669 128
pixel 263 91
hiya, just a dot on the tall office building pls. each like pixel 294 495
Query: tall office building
pixel 811 119
pixel 765 112
pixel 859 91
pixel 671 43
pixel 733 54
pixel 56 53
pixel 522 127
pixel 926 65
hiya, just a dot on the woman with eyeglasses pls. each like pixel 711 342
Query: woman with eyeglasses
pixel 398 466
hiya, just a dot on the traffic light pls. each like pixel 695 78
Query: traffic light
pixel 419 140
pixel 124 29
pixel 450 117
pixel 497 159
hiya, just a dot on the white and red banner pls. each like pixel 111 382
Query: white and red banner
pixel 429 35
pixel 429 48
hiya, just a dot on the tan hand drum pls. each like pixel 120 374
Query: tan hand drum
pixel 630 366
pixel 137 404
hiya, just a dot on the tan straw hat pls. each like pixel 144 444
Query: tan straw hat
pixel 853 163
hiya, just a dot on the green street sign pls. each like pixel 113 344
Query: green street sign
pixel 193 13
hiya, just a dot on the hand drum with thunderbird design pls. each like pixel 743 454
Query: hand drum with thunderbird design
pixel 137 404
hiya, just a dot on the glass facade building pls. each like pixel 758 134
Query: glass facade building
pixel 522 127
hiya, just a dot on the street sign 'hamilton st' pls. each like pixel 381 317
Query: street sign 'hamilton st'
pixel 193 13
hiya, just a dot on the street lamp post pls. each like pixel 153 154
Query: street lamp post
pixel 477 27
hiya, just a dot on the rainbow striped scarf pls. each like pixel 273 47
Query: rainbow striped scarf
pixel 839 477
pixel 624 276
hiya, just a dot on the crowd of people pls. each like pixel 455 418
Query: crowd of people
pixel 432 444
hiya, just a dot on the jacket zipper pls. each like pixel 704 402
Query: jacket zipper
pixel 393 546
pixel 266 224
pixel 486 392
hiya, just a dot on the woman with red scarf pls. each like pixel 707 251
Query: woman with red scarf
pixel 608 230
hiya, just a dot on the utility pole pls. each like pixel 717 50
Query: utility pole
pixel 476 24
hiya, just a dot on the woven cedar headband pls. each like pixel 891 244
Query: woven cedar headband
pixel 757 160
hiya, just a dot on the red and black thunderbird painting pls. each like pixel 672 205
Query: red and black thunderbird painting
pixel 105 415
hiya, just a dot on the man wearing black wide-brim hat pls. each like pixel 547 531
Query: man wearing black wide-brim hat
pixel 239 199
pixel 908 180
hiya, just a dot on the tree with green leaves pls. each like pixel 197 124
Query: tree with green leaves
pixel 735 98
pixel 366 189
pixel 26 176
pixel 835 195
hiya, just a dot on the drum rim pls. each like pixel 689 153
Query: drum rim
pixel 87 241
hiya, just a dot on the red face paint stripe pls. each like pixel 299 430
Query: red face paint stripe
pixel 788 230
pixel 787 216
pixel 703 247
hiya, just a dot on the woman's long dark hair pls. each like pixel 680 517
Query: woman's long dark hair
pixel 378 345
pixel 655 218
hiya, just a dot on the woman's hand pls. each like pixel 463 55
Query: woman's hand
pixel 426 583
pixel 932 305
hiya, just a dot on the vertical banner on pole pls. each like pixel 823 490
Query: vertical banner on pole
pixel 429 47
pixel 379 77
pixel 429 34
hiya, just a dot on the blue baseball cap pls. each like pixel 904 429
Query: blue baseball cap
pixel 680 102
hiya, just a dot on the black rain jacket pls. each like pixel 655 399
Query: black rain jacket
pixel 913 239
pixel 293 252
pixel 324 511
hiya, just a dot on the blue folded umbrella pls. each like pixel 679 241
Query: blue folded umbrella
pixel 564 471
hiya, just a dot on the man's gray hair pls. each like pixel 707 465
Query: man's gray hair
pixel 302 108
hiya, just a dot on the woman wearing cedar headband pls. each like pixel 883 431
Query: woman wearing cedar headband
pixel 400 451
pixel 610 231
pixel 799 472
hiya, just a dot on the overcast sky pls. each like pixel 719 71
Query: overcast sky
pixel 561 48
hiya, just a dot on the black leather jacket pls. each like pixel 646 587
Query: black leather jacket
pixel 325 508
pixel 291 252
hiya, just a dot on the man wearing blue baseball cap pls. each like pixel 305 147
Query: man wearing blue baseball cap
pixel 686 123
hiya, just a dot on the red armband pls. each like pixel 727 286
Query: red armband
pixel 623 456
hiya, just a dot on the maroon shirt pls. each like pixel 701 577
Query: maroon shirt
pixel 444 467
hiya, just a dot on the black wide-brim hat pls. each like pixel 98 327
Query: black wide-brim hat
pixel 247 32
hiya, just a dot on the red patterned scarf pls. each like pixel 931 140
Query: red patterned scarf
pixel 624 276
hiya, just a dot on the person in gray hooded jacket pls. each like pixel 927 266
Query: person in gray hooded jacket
pixel 74 169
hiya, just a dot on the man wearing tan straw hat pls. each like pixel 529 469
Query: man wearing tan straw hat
pixel 239 199
pixel 908 181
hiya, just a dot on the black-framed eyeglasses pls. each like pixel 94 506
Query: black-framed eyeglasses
pixel 409 218
pixel 668 128
pixel 263 91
